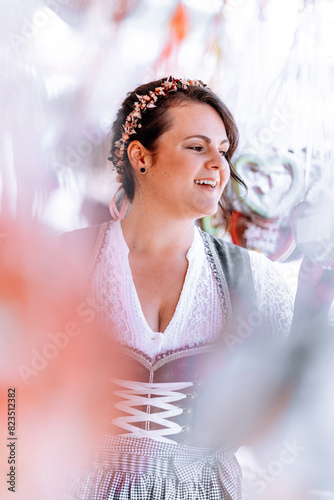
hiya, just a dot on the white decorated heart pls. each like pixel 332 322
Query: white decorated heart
pixel 274 183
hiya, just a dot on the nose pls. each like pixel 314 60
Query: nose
pixel 216 161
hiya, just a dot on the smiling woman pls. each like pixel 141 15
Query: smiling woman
pixel 186 166
pixel 169 298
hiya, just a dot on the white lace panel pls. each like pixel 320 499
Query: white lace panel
pixel 198 316
pixel 273 295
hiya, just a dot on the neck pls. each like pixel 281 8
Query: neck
pixel 151 231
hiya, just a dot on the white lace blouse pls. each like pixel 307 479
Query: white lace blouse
pixel 198 316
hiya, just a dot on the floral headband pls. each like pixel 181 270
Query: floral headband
pixel 139 107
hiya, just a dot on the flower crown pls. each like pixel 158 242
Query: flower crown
pixel 139 107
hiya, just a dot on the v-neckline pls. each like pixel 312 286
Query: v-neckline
pixel 134 290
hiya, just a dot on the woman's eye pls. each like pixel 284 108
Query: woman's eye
pixel 196 148
pixel 223 153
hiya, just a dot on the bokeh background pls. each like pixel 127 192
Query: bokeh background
pixel 66 65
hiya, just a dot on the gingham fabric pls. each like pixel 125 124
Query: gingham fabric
pixel 138 469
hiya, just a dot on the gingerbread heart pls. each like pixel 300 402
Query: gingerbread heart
pixel 275 184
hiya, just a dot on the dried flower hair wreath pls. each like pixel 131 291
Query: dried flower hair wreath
pixel 145 102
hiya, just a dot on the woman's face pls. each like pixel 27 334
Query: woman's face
pixel 190 172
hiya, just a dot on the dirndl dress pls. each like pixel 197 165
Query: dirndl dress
pixel 144 462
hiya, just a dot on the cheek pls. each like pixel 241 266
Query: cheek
pixel 226 174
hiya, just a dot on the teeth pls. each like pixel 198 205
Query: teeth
pixel 206 181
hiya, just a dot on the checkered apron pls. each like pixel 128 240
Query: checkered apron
pixel 138 469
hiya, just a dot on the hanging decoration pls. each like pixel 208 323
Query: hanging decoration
pixel 261 220
pixel 253 75
pixel 214 53
pixel 274 184
pixel 287 144
pixel 122 9
pixel 303 94
pixel 179 27
pixel 271 238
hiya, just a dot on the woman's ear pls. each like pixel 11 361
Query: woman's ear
pixel 139 156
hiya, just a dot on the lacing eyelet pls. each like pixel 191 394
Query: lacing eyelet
pixel 198 383
pixel 192 395
pixel 188 411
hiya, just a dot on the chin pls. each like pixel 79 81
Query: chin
pixel 208 212
pixel 212 210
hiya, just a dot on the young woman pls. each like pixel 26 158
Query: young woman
pixel 168 294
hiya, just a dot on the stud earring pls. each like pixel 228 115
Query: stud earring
pixel 143 170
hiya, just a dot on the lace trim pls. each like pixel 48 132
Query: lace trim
pixel 223 289
pixel 166 356
pixel 274 298
pixel 198 316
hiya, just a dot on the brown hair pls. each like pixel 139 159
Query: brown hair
pixel 157 120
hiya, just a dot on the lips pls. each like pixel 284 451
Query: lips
pixel 212 183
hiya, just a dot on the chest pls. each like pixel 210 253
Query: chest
pixel 158 283
pixel 132 310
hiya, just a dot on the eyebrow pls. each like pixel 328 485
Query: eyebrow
pixel 206 139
